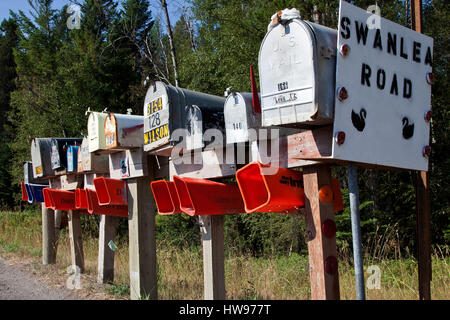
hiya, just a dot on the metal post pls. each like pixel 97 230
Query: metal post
pixel 356 231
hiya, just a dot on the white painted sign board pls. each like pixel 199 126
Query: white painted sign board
pixel 385 76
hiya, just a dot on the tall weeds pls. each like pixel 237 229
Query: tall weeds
pixel 180 269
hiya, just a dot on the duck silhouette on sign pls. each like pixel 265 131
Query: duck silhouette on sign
pixel 359 120
pixel 408 129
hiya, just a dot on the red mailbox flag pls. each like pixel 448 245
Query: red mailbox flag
pixel 256 105
pixel 24 192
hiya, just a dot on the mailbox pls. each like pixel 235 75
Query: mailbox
pixel 297 68
pixel 168 108
pixel 28 174
pixel 123 132
pixel 96 131
pixel 59 147
pixel 240 117
pixel 91 162
pixel 34 193
pixel 41 149
pixel 72 159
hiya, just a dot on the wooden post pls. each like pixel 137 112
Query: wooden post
pixel 423 238
pixel 423 212
pixel 59 218
pixel 76 241
pixel 142 242
pixel 107 233
pixel 323 265
pixel 48 236
pixel 212 230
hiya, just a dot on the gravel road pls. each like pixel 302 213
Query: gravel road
pixel 17 283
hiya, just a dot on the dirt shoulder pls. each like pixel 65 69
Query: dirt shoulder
pixel 25 279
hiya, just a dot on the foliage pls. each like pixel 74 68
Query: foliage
pixel 57 74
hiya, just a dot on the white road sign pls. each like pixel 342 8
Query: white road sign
pixel 382 91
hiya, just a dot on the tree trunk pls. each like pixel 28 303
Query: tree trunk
pixel 172 48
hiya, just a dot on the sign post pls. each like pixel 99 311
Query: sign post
pixel 422 197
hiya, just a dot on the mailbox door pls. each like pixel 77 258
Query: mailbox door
pixel 111 132
pixel 290 62
pixel 72 158
pixel 55 156
pixel 161 104
pixel 96 131
pixel 194 127
pixel 239 117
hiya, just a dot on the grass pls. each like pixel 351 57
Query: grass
pixel 180 271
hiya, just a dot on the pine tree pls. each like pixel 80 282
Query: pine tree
pixel 8 41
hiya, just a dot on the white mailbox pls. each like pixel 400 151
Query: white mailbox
pixel 297 64
pixel 168 108
pixel 240 117
pixel 243 123
pixel 91 162
pixel 96 131
pixel 123 132
pixel 41 150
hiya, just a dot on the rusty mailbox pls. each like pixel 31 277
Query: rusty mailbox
pixel 59 148
pixel 297 67
pixel 123 132
pixel 168 108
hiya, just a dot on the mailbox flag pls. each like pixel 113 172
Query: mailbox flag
pixel 166 197
pixel 255 98
pixel 204 197
pixel 111 191
pixel 24 192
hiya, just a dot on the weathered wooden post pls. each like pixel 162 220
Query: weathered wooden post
pixel 423 210
pixel 48 236
pixel 172 113
pixel 107 233
pixel 142 241
pixel 212 230
pixel 92 163
pixel 127 161
pixel 76 241
pixel 323 263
